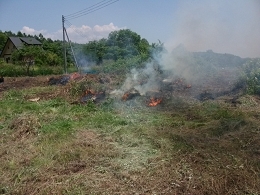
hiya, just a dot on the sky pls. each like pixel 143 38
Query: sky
pixel 223 26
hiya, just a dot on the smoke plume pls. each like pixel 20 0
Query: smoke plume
pixel 226 27
pixel 223 26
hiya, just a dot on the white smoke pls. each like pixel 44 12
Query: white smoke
pixel 223 26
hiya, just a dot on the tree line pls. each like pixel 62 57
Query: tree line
pixel 121 44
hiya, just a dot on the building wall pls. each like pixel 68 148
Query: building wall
pixel 8 51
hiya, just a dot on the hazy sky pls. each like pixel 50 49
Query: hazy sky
pixel 231 26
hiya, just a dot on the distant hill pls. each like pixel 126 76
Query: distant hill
pixel 220 60
pixel 207 70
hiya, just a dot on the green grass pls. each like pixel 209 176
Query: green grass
pixel 16 70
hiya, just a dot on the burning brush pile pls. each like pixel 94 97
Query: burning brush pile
pixel 154 100
pixel 91 95
pixel 148 86
pixel 151 86
pixel 153 97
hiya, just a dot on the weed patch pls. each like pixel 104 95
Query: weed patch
pixel 227 125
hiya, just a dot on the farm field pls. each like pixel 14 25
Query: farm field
pixel 77 137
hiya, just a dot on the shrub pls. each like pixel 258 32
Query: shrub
pixel 252 76
pixel 11 70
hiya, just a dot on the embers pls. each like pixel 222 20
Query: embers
pixel 130 94
pixel 154 97
pixel 91 95
pixel 154 101
pixel 62 80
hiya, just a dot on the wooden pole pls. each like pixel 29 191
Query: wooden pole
pixel 72 50
pixel 64 46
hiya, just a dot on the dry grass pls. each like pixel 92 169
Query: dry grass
pixel 181 147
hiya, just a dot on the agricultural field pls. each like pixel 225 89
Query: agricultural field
pixel 76 134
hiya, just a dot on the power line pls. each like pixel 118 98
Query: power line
pixel 68 23
pixel 91 9
pixel 86 11
pixel 70 15
pixel 78 14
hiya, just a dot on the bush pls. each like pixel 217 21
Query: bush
pixel 252 76
pixel 11 70
pixel 43 70
pixel 121 66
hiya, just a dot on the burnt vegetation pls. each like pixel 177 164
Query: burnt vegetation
pixel 129 124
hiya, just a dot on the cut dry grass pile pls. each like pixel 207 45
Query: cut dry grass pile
pixel 52 146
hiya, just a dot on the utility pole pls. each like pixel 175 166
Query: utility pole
pixel 72 49
pixel 64 46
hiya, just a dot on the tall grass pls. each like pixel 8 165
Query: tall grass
pixel 15 70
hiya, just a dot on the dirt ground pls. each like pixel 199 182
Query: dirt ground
pixel 23 82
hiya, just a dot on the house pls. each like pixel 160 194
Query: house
pixel 14 43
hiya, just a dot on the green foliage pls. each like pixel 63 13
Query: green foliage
pixel 122 50
pixel 60 128
pixel 121 66
pixel 10 70
pixel 26 57
pixel 50 54
pixel 226 125
pixel 54 52
pixel 47 70
pixel 122 44
pixel 252 76
pixel 3 39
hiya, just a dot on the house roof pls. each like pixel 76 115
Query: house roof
pixel 19 42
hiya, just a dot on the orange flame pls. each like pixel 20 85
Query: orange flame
pixel 155 101
pixel 188 86
pixel 89 92
pixel 125 96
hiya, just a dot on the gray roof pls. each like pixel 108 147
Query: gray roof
pixel 19 42
pixel 30 41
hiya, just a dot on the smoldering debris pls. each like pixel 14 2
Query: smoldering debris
pixel 130 94
pixel 62 80
pixel 92 96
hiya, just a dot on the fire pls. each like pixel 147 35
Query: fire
pixel 125 96
pixel 154 101
pixel 89 92
pixel 188 86
pixel 74 75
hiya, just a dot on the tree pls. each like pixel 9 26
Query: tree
pixel 143 49
pixel 19 34
pixel 252 76
pixel 52 59
pixel 95 50
pixel 125 43
pixel 157 49
pixel 121 44
pixel 27 56
pixel 3 39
